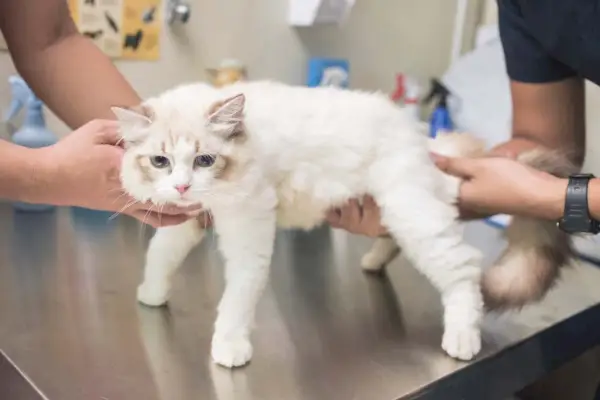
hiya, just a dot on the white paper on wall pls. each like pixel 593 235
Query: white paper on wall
pixel 312 12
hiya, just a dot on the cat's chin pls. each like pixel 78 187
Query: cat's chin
pixel 175 201
pixel 186 203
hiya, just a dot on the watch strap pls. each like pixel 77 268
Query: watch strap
pixel 577 218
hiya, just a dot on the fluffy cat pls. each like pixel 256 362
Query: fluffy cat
pixel 264 154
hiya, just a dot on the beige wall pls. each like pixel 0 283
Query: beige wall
pixel 380 38
pixel 592 109
pixel 489 14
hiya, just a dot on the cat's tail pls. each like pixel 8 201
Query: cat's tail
pixel 537 249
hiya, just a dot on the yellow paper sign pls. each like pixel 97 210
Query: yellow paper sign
pixel 128 29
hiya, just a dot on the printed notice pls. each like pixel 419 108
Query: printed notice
pixel 126 29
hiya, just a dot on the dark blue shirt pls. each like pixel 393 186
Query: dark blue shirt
pixel 550 40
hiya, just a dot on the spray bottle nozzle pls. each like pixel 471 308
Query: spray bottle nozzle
pixel 437 89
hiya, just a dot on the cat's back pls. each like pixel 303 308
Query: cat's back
pixel 303 116
pixel 294 101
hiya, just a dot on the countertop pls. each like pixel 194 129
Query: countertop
pixel 70 321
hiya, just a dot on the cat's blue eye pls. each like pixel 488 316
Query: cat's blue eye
pixel 160 161
pixel 205 160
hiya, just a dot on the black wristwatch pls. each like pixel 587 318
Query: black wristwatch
pixel 577 218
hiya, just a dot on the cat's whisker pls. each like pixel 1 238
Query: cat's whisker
pixel 119 197
pixel 212 245
pixel 148 213
pixel 160 210
pixel 130 204
pixel 143 230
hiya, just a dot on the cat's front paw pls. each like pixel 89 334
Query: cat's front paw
pixel 231 353
pixel 153 295
pixel 462 343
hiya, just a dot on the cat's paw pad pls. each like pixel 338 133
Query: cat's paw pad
pixel 463 343
pixel 231 353
pixel 371 262
pixel 152 295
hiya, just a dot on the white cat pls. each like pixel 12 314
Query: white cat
pixel 262 154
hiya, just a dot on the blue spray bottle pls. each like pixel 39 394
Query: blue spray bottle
pixel 33 132
pixel 440 117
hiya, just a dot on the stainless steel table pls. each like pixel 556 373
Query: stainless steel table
pixel 70 322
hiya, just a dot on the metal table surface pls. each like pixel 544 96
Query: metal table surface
pixel 70 321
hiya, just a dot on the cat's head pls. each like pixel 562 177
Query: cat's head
pixel 177 153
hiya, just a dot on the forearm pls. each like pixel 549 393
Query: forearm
pixel 550 115
pixel 23 177
pixel 65 69
pixel 77 81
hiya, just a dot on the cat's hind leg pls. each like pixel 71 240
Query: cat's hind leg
pixel 167 250
pixel 427 229
pixel 383 250
pixel 246 239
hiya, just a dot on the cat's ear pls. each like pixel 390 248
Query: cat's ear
pixel 139 116
pixel 133 121
pixel 226 117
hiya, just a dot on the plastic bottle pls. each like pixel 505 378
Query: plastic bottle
pixel 411 97
pixel 400 90
pixel 406 93
pixel 440 119
pixel 33 132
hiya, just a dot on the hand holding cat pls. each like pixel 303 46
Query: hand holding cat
pixel 358 219
pixel 494 185
pixel 84 171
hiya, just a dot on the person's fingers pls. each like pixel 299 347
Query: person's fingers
pixel 370 208
pixel 106 132
pixel 174 210
pixel 170 209
pixel 470 215
pixel 459 167
pixel 437 158
pixel 333 217
pixel 205 220
pixel 351 214
pixel 158 220
pixel 505 153
pixel 372 217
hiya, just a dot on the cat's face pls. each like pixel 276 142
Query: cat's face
pixel 176 158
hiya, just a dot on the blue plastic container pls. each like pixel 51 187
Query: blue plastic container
pixel 328 72
pixel 33 132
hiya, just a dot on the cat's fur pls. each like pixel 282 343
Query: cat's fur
pixel 284 155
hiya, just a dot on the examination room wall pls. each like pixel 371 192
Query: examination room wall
pixel 380 38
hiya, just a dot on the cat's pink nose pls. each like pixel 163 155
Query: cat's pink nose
pixel 182 188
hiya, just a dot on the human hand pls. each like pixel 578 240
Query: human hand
pixel 359 219
pixel 500 185
pixel 84 171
